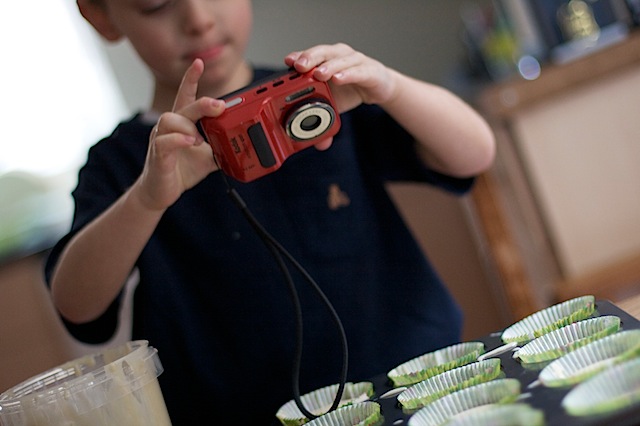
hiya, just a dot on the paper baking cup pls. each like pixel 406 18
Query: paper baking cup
pixel 427 391
pixel 320 401
pixel 549 319
pixel 612 390
pixel 361 414
pixel 428 365
pixel 516 414
pixel 591 359
pixel 439 412
pixel 567 339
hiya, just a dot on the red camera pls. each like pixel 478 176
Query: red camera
pixel 269 121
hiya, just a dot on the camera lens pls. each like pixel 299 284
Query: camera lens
pixel 310 123
pixel 310 120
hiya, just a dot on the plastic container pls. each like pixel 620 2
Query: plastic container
pixel 118 386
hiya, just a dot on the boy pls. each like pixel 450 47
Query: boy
pixel 210 297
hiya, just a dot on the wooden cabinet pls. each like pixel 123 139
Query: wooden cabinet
pixel 32 337
pixel 560 210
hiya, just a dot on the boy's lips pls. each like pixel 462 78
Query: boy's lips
pixel 207 54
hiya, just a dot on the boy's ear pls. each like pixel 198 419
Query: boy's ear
pixel 96 14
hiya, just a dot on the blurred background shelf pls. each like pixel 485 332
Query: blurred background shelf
pixel 559 209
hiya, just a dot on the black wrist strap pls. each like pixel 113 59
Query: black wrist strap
pixel 280 254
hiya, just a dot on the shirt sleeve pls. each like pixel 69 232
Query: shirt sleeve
pixel 391 150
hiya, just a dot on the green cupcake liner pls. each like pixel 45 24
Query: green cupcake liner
pixel 433 363
pixel 516 414
pixel 612 390
pixel 427 391
pixel 591 359
pixel 361 414
pixel 567 339
pixel 320 401
pixel 439 412
pixel 549 319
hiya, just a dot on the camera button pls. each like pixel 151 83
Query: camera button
pixel 261 145
pixel 233 102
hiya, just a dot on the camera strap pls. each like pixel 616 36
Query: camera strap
pixel 280 254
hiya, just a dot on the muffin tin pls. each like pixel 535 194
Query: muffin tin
pixel 550 403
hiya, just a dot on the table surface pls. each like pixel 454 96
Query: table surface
pixel 547 399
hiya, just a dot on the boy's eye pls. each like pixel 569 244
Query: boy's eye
pixel 150 8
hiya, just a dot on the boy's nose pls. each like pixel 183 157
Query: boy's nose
pixel 198 16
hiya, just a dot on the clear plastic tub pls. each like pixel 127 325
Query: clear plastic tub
pixel 116 387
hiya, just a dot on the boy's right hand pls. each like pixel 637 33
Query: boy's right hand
pixel 178 157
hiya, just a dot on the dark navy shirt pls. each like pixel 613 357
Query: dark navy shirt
pixel 213 301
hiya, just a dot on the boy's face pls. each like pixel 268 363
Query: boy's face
pixel 169 34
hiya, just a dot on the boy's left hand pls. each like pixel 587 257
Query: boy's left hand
pixel 355 78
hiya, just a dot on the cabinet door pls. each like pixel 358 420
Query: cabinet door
pixel 581 150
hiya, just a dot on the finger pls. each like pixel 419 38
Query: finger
pixel 188 89
pixel 166 144
pixel 324 145
pixel 175 124
pixel 154 131
pixel 174 128
pixel 337 67
pixel 291 58
pixel 320 54
pixel 203 107
pixel 183 121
